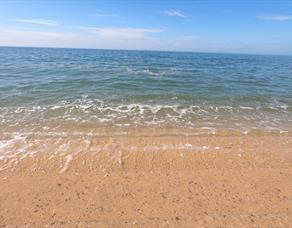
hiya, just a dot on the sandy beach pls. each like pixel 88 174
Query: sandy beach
pixel 150 181
pixel 117 114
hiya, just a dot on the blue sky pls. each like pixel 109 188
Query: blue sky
pixel 263 27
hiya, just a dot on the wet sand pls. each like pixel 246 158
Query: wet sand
pixel 161 181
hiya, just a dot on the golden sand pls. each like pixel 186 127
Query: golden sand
pixel 149 181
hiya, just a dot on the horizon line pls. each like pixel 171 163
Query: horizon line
pixel 148 50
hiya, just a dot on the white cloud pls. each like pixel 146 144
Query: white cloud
pixel 275 17
pixel 81 37
pixel 36 21
pixel 121 33
pixel 30 38
pixel 175 13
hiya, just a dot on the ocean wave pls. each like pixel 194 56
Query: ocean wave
pixel 95 111
pixel 152 72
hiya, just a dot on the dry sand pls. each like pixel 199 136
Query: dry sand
pixel 161 181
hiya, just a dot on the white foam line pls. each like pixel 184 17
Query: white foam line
pixel 246 107
pixel 68 160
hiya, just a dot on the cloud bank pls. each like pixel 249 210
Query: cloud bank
pixel 133 39
pixel 121 33
pixel 56 35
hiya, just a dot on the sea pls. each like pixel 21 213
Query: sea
pixel 67 102
pixel 45 89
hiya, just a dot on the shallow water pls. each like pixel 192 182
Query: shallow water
pixel 52 89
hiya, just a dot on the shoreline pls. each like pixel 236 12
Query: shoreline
pixel 176 181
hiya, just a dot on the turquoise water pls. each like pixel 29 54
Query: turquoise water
pixel 54 88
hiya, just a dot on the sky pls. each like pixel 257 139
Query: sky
pixel 238 26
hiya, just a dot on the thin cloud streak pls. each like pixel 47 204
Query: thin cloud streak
pixel 103 15
pixel 275 17
pixel 36 21
pixel 175 13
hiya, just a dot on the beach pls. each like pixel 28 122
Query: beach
pixel 116 138
pixel 158 180
pixel 145 114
